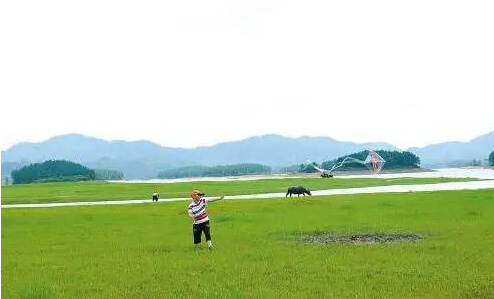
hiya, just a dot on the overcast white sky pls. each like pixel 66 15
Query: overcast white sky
pixel 189 73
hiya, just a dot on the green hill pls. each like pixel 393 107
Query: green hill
pixel 52 171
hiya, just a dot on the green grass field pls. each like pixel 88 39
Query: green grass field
pixel 146 251
pixel 94 191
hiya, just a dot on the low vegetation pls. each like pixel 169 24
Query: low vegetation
pixel 146 251
pixel 215 171
pixel 95 191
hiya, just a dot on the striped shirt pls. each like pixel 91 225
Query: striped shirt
pixel 198 210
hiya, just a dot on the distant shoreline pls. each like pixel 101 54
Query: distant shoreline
pixel 271 176
pixel 471 172
pixel 364 172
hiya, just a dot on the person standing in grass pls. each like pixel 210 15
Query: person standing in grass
pixel 156 196
pixel 197 211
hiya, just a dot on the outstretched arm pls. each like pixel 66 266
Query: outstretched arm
pixel 216 198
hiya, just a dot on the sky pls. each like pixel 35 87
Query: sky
pixel 195 73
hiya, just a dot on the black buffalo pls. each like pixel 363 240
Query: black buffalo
pixel 297 190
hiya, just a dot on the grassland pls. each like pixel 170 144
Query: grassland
pixel 145 251
pixel 94 191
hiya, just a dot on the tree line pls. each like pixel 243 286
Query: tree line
pixel 106 174
pixel 219 170
pixel 61 171
pixel 52 171
pixel 394 160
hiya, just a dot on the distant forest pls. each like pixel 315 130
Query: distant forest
pixel 219 170
pixel 52 171
pixel 61 171
pixel 105 174
pixel 394 160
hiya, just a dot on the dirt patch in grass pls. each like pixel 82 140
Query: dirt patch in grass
pixel 361 238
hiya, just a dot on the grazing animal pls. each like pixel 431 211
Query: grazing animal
pixel 297 190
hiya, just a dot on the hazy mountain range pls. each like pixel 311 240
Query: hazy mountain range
pixel 144 159
pixel 454 154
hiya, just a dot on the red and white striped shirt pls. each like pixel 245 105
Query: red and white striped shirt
pixel 198 210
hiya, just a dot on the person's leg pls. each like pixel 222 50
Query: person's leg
pixel 197 235
pixel 207 233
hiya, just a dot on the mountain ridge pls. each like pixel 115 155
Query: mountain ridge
pixel 142 159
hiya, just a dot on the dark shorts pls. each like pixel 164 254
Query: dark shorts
pixel 198 229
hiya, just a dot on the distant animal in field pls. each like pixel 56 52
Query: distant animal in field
pixel 297 190
pixel 326 175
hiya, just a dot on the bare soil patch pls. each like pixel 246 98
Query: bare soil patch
pixel 360 238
